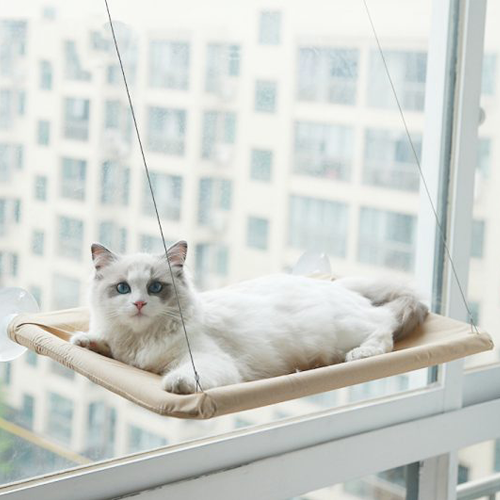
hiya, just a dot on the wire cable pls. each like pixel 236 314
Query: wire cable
pixel 150 184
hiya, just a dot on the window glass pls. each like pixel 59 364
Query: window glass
pixel 327 74
pixel 166 130
pixel 59 417
pixel 70 233
pixel 76 118
pixel 257 233
pixel 270 27
pixel 268 132
pixel 261 164
pixel 484 272
pixel 323 150
pixel 408 71
pixel 43 132
pixel 389 160
pixel 73 177
pixel 169 64
pixel 222 69
pixel 265 96
pixel 38 242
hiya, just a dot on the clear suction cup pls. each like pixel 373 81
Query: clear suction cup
pixel 12 302
pixel 312 263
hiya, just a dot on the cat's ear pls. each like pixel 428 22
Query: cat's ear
pixel 101 256
pixel 177 253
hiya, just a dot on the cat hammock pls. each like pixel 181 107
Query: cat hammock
pixel 439 340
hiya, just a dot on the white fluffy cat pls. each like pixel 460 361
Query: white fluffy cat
pixel 260 328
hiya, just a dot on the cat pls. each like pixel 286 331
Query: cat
pixel 255 329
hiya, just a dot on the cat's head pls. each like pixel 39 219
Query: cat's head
pixel 138 290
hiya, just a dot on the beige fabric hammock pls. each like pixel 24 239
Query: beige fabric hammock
pixel 438 341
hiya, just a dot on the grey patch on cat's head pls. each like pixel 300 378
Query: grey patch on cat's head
pixel 102 257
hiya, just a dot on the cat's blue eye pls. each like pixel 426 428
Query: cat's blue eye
pixel 123 287
pixel 155 287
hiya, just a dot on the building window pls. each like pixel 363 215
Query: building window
pixel 37 243
pixel 66 292
pixel 27 413
pixel 73 177
pixel 463 474
pixel 13 48
pixel 73 69
pixel 70 238
pixel 113 236
pixel 115 183
pixel 168 194
pixel 152 244
pixel 270 28
pixel 219 135
pixel 76 118
pixel 117 117
pixel 6 109
pixel 60 418
pixel 10 214
pixel 261 165
pixel 21 102
pixel 166 130
pixel 488 80
pixel 475 310
pixel 113 74
pixel 45 75
pixel 61 370
pixel 408 72
pixel 9 264
pixel 214 202
pixel 257 233
pixel 389 160
pixel 318 225
pixel 477 239
pixel 327 75
pixel 169 64
pixel 6 377
pixel 31 357
pixel 483 157
pixel 386 239
pixel 223 66
pixel 41 188
pixel 101 430
pixel 211 259
pixel 323 150
pixel 265 96
pixel 496 464
pixel 140 439
pixel 11 159
pixel 43 132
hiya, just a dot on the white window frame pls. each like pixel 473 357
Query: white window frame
pixel 300 454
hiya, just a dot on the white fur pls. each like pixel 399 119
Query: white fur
pixel 255 329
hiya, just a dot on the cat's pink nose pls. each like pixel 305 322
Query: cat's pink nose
pixel 139 304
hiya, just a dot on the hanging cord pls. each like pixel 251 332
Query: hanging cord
pixel 417 161
pixel 196 375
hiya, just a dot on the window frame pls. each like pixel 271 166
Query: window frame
pixel 261 462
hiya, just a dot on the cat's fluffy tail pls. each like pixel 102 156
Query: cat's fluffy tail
pixel 400 297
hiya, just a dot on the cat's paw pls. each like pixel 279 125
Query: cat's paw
pixel 363 352
pixel 178 383
pixel 86 341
